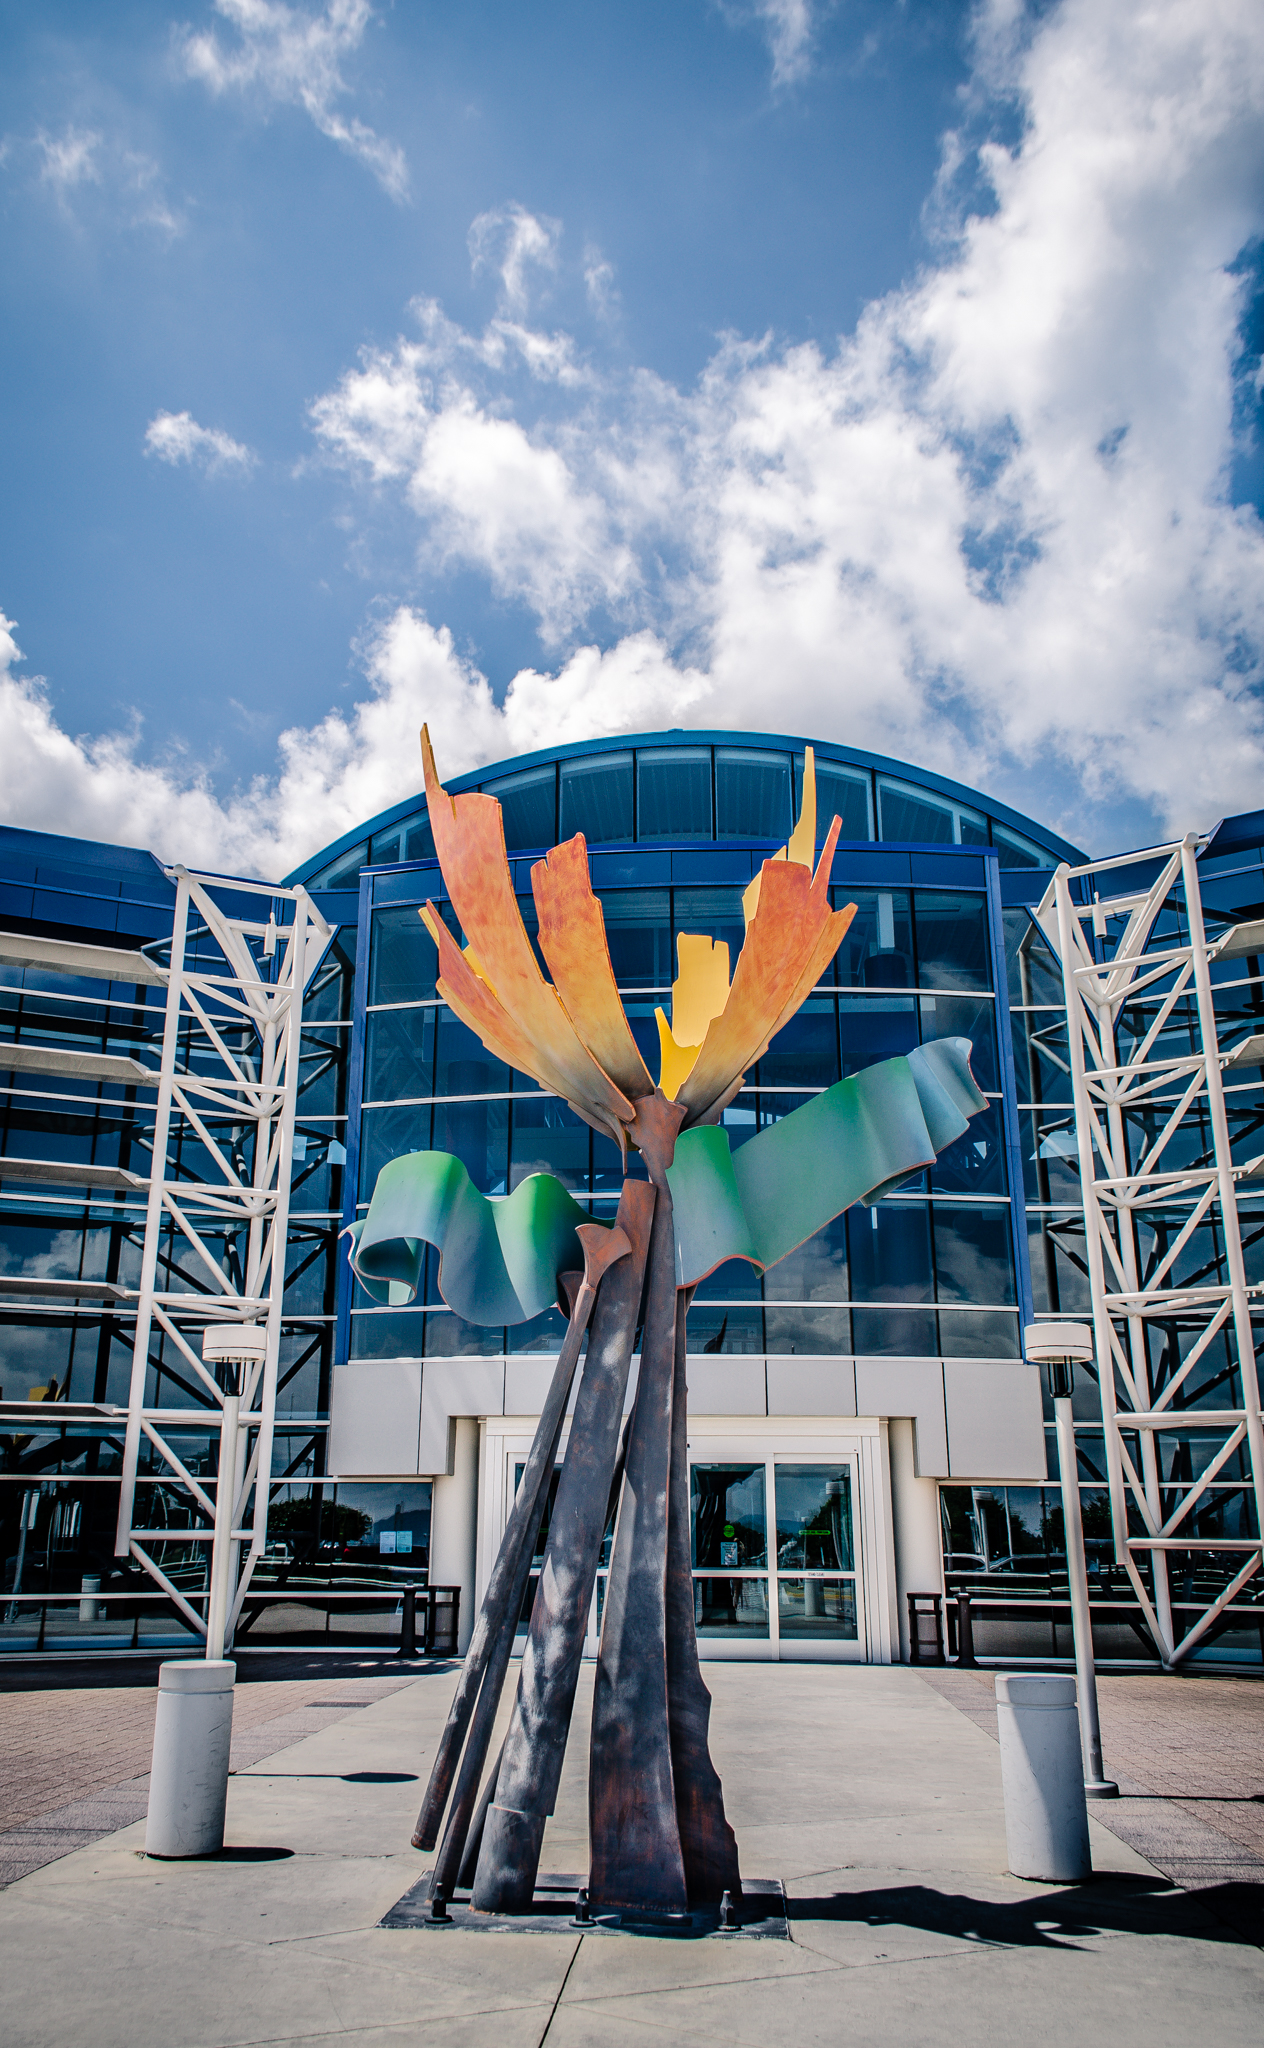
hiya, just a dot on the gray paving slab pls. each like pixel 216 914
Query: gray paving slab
pixel 874 1799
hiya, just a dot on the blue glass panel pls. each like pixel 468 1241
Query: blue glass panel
pixel 905 813
pixel 399 1056
pixel 953 950
pixel 1041 1065
pixel 752 794
pixel 543 1333
pixel 973 1262
pixel 384 1134
pixel 597 798
pixel 548 1137
pixel 894 1333
pixel 840 793
pixel 715 1329
pixel 741 1119
pixel 419 839
pixel 804 1053
pixel 529 804
pixel 384 847
pixel 975 1165
pixel 1013 851
pixel 735 1280
pixel 889 1252
pixel 463 1065
pixel 638 934
pixel 965 1017
pixel 964 1334
pixel 921 815
pixel 728 1517
pixel 404 958
pixel 1051 1170
pixel 398 1335
pixel 673 793
pixel 478 1134
pixel 817 1271
pixel 448 1337
pixel 807 1332
pixel 343 873
pixel 875 1028
pixel 877 947
pixel 813 1505
pixel 1055 1251
pixel 716 913
pixel 1034 973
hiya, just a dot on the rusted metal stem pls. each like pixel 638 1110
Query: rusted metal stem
pixel 531 1763
pixel 491 1645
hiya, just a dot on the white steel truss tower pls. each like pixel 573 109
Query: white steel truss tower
pixel 1159 1184
pixel 227 1093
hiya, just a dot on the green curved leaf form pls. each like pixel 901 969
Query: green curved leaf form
pixel 854 1143
pixel 499 1259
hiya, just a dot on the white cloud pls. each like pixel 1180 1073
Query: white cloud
pixel 331 776
pixel 296 58
pixel 512 241
pixel 990 530
pixel 788 28
pixel 96 178
pixel 176 437
pixel 69 159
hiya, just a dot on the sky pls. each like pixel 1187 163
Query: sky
pixel 887 371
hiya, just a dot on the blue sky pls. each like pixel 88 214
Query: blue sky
pixel 888 372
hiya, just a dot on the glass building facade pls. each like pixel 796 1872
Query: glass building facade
pixel 938 1279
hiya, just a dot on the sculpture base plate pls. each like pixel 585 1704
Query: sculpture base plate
pixel 760 1917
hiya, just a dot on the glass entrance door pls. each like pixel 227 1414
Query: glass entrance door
pixel 774 1555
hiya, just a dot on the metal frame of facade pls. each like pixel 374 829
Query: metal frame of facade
pixel 229 975
pixel 1160 955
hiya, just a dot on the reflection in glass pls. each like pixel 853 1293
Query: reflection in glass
pixel 807 1332
pixel 953 949
pixel 731 1607
pixel 548 1137
pixel 840 793
pixel 729 1526
pixel 813 1505
pixel 404 959
pixel 399 1054
pixel 638 933
pixel 597 798
pixel 974 1164
pixel 673 793
pixel 877 948
pixel 820 1610
pixel 972 1254
pixel 804 1052
pixel 528 804
pixel 873 1028
pixel 965 1017
pixel 718 1328
pixel 817 1271
pixel 752 794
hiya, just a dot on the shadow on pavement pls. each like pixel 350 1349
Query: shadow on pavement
pixel 1061 1919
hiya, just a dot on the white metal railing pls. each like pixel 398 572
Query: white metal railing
pixel 1153 1140
pixel 233 981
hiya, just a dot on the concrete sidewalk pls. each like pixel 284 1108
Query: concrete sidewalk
pixel 869 1793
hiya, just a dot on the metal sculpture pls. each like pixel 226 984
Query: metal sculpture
pixel 659 1836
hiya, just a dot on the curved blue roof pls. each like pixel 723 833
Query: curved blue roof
pixel 1028 842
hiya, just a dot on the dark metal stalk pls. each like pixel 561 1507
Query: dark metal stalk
pixel 491 1644
pixel 535 1744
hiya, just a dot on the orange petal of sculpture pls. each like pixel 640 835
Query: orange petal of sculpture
pixel 574 1038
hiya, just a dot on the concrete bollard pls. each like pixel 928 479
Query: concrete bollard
pixel 193 1732
pixel 1042 1776
pixel 90 1609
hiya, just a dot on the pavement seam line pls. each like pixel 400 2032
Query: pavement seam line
pixel 579 1942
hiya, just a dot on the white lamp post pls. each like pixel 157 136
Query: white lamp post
pixel 235 1345
pixel 1058 1347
